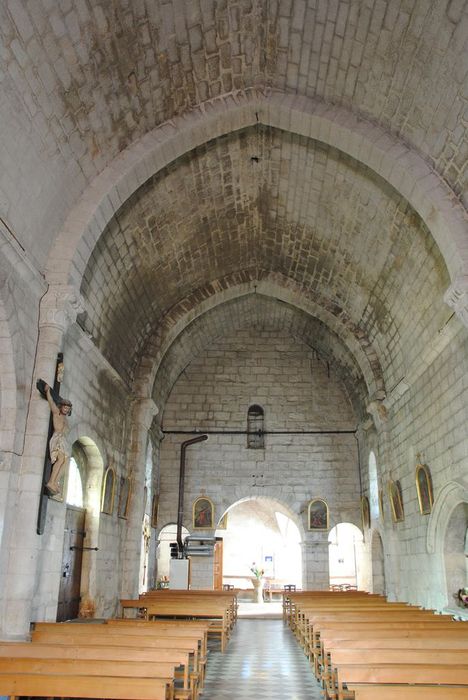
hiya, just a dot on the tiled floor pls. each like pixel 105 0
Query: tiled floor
pixel 263 660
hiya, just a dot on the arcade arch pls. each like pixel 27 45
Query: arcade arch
pixel 346 555
pixel 261 533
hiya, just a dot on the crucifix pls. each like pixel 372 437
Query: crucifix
pixel 57 452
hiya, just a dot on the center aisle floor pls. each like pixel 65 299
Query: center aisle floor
pixel 262 660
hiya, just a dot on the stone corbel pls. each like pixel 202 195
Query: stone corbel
pixel 378 411
pixel 456 297
pixel 60 306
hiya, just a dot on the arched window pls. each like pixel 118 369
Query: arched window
pixel 75 486
pixel 373 487
pixel 255 428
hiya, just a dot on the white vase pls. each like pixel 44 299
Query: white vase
pixel 258 587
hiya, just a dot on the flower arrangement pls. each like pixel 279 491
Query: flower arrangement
pixel 258 573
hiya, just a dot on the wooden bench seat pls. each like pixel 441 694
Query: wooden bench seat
pixel 72 635
pixel 82 686
pixel 408 692
pixel 381 658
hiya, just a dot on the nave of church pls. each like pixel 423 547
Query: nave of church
pixel 233 302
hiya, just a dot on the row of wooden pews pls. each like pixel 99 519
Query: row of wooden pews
pixel 219 607
pixel 361 646
pixel 159 658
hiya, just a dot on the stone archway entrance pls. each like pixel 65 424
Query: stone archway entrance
pixel 345 555
pixel 260 533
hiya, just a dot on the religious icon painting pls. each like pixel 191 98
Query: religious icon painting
pixel 202 514
pixel 317 514
pixel 124 497
pixel 396 501
pixel 365 513
pixel 154 510
pixel 424 488
pixel 108 492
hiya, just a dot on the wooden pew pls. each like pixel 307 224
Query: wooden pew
pixel 82 686
pixel 227 598
pixel 117 655
pixel 408 692
pixel 173 627
pixel 199 609
pixel 329 635
pixel 100 635
pixel 412 674
pixel 381 658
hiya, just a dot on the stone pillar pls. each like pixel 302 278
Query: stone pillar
pixel 315 566
pixel 59 308
pixel 143 412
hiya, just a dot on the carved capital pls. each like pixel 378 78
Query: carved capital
pixel 60 306
pixel 456 297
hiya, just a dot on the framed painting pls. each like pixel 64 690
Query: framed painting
pixel 317 514
pixel 202 513
pixel 396 501
pixel 424 488
pixel 124 497
pixel 365 513
pixel 108 492
pixel 154 510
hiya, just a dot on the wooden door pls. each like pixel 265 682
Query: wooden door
pixel 70 580
pixel 218 565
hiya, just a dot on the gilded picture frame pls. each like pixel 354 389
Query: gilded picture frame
pixel 423 481
pixel 108 491
pixel 365 513
pixel 124 497
pixel 396 501
pixel 202 513
pixel 318 514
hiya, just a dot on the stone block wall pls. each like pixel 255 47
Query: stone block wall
pixel 298 394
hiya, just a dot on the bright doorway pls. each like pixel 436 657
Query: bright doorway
pixel 260 533
pixel 345 554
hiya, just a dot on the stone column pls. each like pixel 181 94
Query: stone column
pixel 59 308
pixel 143 411
pixel 315 566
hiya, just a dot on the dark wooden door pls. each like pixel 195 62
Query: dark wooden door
pixel 70 580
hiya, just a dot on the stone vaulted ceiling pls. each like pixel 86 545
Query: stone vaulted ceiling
pixel 84 80
pixel 262 202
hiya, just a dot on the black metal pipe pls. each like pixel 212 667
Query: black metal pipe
pixel 180 509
